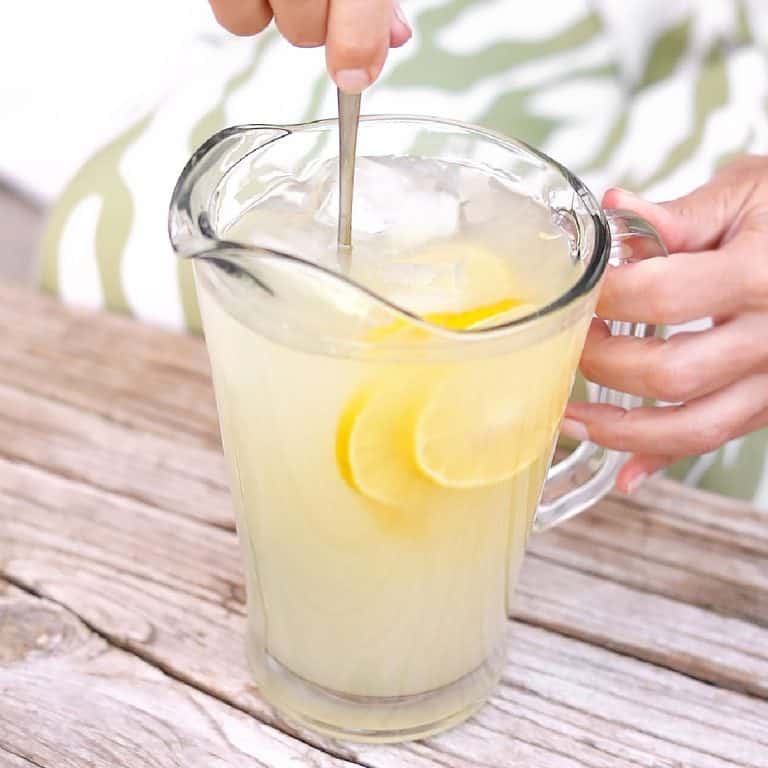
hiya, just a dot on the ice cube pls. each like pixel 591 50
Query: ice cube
pixel 405 199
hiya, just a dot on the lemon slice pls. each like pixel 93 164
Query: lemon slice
pixel 375 447
pixel 476 431
pixel 393 518
pixel 481 427
pixel 492 418
pixel 487 316
pixel 343 431
pixel 511 309
pixel 406 440
pixel 375 442
pixel 465 272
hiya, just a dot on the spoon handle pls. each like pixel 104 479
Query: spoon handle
pixel 349 117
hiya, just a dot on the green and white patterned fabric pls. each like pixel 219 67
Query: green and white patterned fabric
pixel 651 95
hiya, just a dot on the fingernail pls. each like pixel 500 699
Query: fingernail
pixel 352 80
pixel 400 15
pixel 635 483
pixel 308 45
pixel 574 429
pixel 628 195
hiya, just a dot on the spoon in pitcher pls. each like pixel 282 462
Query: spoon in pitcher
pixel 349 117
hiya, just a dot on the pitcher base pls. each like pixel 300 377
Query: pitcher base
pixel 372 719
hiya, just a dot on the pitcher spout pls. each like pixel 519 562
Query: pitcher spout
pixel 197 216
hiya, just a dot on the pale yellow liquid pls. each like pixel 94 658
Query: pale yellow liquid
pixel 366 600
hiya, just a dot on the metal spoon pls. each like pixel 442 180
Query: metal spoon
pixel 349 117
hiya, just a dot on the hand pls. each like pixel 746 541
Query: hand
pixel 718 240
pixel 357 33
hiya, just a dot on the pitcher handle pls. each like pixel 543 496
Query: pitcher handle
pixel 586 475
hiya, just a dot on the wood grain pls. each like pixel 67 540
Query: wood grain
pixel 12 760
pixel 128 373
pixel 70 699
pixel 676 541
pixel 563 702
pixel 171 473
pixel 625 576
pixel 670 540
pixel 727 651
pixel 109 453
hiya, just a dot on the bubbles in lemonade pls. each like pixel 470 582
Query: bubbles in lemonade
pixel 385 499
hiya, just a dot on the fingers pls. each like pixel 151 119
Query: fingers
pixel 641 466
pixel 357 33
pixel 242 17
pixel 301 22
pixel 699 426
pixel 400 32
pixel 685 286
pixel 714 235
pixel 692 223
pixel 717 237
pixel 682 368
pixel 357 41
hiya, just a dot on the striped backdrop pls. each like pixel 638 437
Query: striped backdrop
pixel 651 95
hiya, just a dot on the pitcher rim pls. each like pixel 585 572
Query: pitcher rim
pixel 598 259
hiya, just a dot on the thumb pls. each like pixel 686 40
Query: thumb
pixel 694 222
pixel 357 41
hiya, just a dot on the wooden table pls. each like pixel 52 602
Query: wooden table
pixel 641 632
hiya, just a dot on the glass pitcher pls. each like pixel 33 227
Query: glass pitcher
pixel 387 469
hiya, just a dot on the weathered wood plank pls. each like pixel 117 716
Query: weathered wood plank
pixel 600 578
pixel 563 702
pixel 723 650
pixel 67 698
pixel 11 760
pixel 154 381
pixel 675 541
pixel 129 409
pixel 171 473
pixel 157 382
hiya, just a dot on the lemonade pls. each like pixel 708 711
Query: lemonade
pixel 384 498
